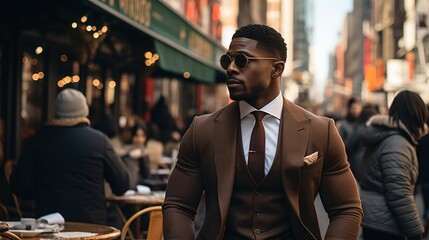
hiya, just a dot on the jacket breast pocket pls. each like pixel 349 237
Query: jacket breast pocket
pixel 313 168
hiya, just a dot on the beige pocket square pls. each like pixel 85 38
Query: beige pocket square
pixel 312 158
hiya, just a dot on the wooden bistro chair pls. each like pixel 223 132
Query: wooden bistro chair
pixel 154 231
pixel 6 234
pixel 9 236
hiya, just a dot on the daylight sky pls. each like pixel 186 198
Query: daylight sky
pixel 328 22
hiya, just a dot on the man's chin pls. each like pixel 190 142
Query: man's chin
pixel 237 97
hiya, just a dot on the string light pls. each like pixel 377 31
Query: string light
pixel 112 84
pixel 96 82
pixel 83 19
pixel 186 75
pixel 38 50
pixel 151 58
pixel 96 32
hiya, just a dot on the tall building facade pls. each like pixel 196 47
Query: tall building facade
pixel 391 52
pixel 398 31
pixel 354 59
pixel 302 35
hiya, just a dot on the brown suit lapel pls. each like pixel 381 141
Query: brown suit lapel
pixel 225 147
pixel 295 134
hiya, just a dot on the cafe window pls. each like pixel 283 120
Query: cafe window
pixel 127 83
pixel 61 72
pixel 100 91
pixel 32 91
pixel 94 86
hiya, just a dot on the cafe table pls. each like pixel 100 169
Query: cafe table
pixel 138 201
pixel 73 231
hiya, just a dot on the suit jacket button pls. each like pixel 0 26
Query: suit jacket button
pixel 257 231
pixel 258 213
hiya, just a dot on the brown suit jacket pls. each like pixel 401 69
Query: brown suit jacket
pixel 206 163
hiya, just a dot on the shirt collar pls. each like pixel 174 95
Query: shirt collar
pixel 274 108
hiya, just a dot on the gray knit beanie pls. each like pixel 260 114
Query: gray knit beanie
pixel 71 103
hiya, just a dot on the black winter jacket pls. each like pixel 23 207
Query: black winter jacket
pixel 388 176
pixel 63 167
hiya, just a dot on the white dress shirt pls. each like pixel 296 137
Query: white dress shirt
pixel 271 123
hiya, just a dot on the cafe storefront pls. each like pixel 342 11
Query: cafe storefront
pixel 122 54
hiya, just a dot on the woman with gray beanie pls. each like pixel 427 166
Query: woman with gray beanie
pixel 64 165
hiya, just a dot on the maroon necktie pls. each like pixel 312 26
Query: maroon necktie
pixel 257 149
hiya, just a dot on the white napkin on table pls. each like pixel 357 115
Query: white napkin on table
pixel 142 189
pixel 53 218
pixel 129 193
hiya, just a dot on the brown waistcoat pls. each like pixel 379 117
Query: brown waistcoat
pixel 258 211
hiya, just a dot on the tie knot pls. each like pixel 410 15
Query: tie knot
pixel 258 115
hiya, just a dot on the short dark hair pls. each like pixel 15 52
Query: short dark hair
pixel 352 101
pixel 368 110
pixel 267 37
pixel 409 108
pixel 137 126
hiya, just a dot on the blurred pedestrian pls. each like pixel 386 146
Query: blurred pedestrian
pixel 423 179
pixel 354 146
pixel 136 159
pixel 106 123
pixel 256 188
pixel 64 165
pixel 347 125
pixel 390 168
pixel 169 131
pixel 154 147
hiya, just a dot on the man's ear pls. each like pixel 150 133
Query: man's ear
pixel 278 68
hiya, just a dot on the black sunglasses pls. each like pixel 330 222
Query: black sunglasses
pixel 241 60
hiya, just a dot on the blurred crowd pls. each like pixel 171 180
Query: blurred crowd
pixel 388 152
pixel 141 143
pixel 388 155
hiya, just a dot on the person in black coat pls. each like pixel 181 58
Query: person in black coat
pixel 354 146
pixel 64 165
pixel 423 180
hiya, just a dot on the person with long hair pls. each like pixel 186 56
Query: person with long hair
pixel 390 168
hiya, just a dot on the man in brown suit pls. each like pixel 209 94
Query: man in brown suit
pixel 304 156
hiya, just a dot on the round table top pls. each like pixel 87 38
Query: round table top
pixel 103 232
pixel 154 198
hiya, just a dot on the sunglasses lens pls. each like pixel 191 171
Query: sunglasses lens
pixel 240 60
pixel 225 61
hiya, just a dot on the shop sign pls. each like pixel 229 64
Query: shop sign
pixel 154 16
pixel 397 72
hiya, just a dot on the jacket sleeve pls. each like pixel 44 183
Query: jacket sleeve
pixel 338 190
pixel 397 182
pixel 115 171
pixel 22 181
pixel 184 190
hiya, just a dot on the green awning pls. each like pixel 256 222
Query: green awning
pixel 181 45
pixel 176 62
